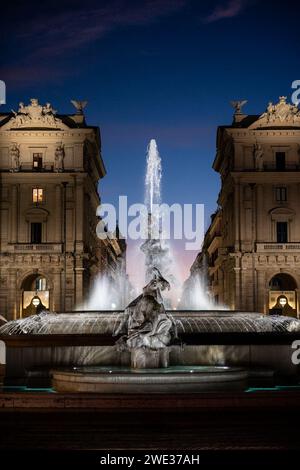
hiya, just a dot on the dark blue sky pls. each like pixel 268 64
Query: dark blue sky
pixel 163 69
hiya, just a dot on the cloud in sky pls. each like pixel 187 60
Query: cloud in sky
pixel 72 29
pixel 56 35
pixel 48 37
pixel 229 9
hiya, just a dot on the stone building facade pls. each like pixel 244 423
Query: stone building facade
pixel 252 246
pixel 50 166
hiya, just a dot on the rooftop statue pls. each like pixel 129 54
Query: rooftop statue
pixel 238 105
pixel 281 113
pixel 35 115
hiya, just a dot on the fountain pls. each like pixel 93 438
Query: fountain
pixel 115 293
pixel 106 352
pixel 146 347
pixel 155 248
pixel 195 293
pixel 148 333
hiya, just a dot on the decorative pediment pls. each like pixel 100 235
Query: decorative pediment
pixel 282 214
pixel 36 214
pixel 278 115
pixel 34 115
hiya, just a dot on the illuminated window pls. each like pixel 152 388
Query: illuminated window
pixel 37 161
pixel 37 195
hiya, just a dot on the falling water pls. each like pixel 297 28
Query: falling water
pixel 195 294
pixel 195 291
pixel 109 293
pixel 115 293
pixel 187 322
pixel 156 248
pixel 153 176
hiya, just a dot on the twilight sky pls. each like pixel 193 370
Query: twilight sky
pixel 163 69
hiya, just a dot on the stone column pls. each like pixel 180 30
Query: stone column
pixel 79 285
pixel 297 303
pixel 57 304
pixel 221 286
pixel 246 218
pixel 58 209
pixel 78 157
pixel 12 298
pixel 261 292
pixel 261 223
pixel 238 299
pixel 253 218
pixel 14 214
pixel 79 198
pixel 247 297
pixel 237 215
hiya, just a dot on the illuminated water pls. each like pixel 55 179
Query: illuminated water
pixel 188 322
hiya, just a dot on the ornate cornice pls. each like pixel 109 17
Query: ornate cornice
pixel 34 115
pixel 278 115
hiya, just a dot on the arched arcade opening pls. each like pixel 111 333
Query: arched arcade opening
pixel 35 294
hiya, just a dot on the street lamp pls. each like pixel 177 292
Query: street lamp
pixel 36 301
pixel 282 302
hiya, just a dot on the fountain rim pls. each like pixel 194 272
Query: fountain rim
pixel 41 338
pixel 169 311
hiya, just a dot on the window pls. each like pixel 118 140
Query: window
pixel 282 232
pixel 280 161
pixel 281 194
pixel 41 283
pixel 36 232
pixel 37 195
pixel 37 161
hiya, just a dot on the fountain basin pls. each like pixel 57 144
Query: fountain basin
pixel 189 323
pixel 38 344
pixel 184 379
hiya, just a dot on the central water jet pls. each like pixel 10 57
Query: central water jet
pixel 155 248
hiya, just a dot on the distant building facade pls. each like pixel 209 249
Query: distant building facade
pixel 50 166
pixel 252 246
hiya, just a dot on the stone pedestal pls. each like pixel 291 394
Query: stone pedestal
pixel 142 358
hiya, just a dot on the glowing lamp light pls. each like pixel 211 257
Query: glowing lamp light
pixel 113 305
pixel 36 302
pixel 282 302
